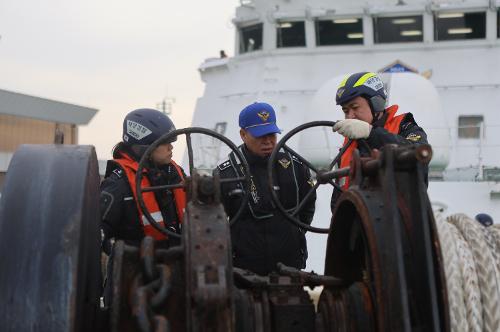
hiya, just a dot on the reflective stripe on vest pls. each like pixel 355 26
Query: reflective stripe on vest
pixel 130 167
pixel 391 125
pixel 157 216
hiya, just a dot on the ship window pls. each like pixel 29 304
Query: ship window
pixel 251 38
pixel 398 29
pixel 340 31
pixel 290 34
pixel 491 174
pixel 458 26
pixel 470 126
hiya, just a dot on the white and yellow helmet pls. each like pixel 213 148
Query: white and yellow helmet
pixel 364 84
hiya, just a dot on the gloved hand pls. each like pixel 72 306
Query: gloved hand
pixel 353 128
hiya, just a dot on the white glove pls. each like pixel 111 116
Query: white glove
pixel 353 128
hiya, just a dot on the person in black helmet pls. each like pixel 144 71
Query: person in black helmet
pixel 121 216
pixel 262 237
pixel 362 97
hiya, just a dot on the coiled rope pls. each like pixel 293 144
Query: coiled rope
pixel 471 254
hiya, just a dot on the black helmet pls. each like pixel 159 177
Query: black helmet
pixel 364 84
pixel 484 219
pixel 144 126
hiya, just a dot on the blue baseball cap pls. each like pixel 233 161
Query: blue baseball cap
pixel 259 119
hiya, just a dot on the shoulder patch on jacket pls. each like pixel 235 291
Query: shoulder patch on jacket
pixel 414 137
pixel 224 165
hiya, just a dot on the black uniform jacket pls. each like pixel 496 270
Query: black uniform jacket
pixel 409 133
pixel 120 217
pixel 262 237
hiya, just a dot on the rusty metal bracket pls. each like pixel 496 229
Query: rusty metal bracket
pixel 208 261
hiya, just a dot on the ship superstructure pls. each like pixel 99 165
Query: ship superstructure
pixel 440 60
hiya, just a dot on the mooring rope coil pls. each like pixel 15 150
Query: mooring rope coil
pixel 471 254
pixel 470 283
pixel 458 319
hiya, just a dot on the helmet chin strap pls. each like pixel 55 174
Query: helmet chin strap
pixel 378 116
pixel 374 114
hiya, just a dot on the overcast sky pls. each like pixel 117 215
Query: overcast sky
pixel 112 55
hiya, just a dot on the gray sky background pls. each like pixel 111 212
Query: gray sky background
pixel 112 55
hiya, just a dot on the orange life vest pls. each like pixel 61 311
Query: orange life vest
pixel 130 167
pixel 391 125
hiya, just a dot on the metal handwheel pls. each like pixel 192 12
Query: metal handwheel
pixel 245 180
pixel 322 176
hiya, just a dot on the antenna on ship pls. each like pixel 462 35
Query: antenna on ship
pixel 166 105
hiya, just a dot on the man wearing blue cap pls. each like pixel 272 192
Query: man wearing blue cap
pixel 262 237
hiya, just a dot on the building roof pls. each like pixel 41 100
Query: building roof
pixel 5 158
pixel 13 103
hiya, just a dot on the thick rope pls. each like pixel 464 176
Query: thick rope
pixel 495 232
pixel 469 282
pixel 458 320
pixel 471 257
